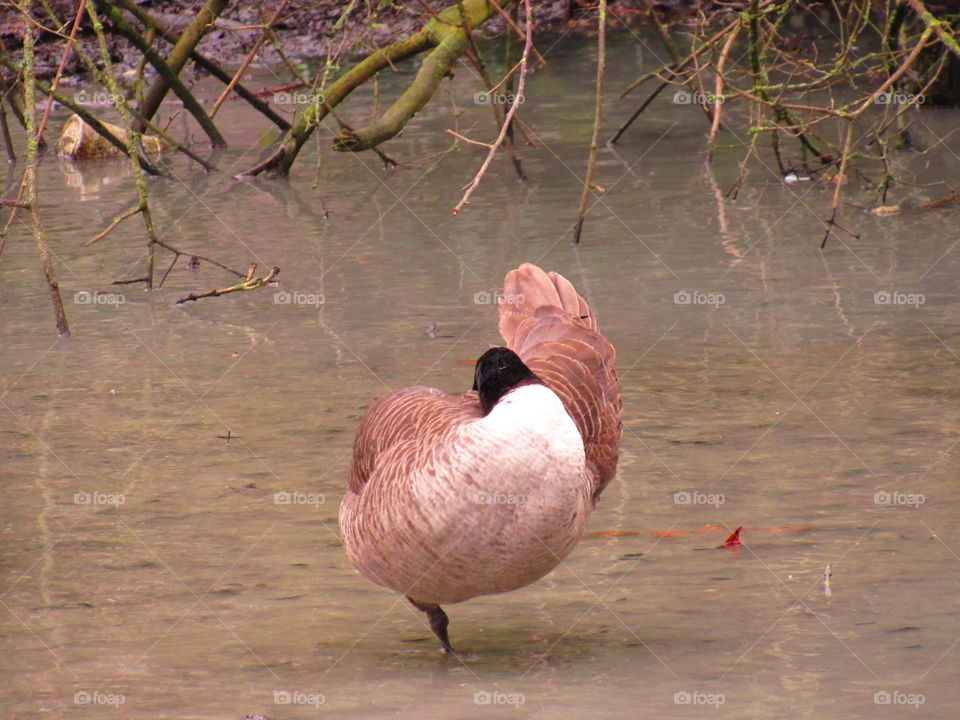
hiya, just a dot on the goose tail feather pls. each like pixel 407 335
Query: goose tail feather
pixel 554 331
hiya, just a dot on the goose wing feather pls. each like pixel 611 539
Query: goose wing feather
pixel 418 418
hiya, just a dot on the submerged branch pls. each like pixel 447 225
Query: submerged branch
pixel 249 283
pixel 29 186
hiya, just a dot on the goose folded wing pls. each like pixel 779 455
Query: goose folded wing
pixel 420 418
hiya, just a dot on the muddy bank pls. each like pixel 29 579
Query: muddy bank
pixel 307 29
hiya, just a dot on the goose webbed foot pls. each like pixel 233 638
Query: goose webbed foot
pixel 438 623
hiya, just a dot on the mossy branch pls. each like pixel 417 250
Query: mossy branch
pixel 282 159
pixel 448 32
pixel 445 33
pixel 436 65
pixel 29 185
pixel 946 36
pixel 249 283
pixel 133 139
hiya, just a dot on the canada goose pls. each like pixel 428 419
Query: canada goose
pixel 454 496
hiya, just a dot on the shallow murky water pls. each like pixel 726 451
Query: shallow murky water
pixel 765 386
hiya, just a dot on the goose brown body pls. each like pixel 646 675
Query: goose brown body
pixel 445 503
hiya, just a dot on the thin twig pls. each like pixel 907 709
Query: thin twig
pixel 643 106
pixel 838 182
pixel 597 117
pixel 113 224
pixel 68 46
pixel 171 248
pixel 248 59
pixel 524 59
pixel 718 92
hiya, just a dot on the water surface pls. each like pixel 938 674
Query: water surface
pixel 800 407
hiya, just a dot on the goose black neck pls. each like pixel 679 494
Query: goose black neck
pixel 498 371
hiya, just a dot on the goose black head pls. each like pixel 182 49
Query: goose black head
pixel 499 370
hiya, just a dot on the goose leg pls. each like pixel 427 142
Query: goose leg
pixel 438 622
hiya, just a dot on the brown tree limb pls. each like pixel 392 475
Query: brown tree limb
pixel 113 225
pixel 203 62
pixel 636 113
pixel 450 42
pixel 675 68
pixel 165 72
pixel 280 161
pixel 831 222
pixel 178 57
pixel 476 59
